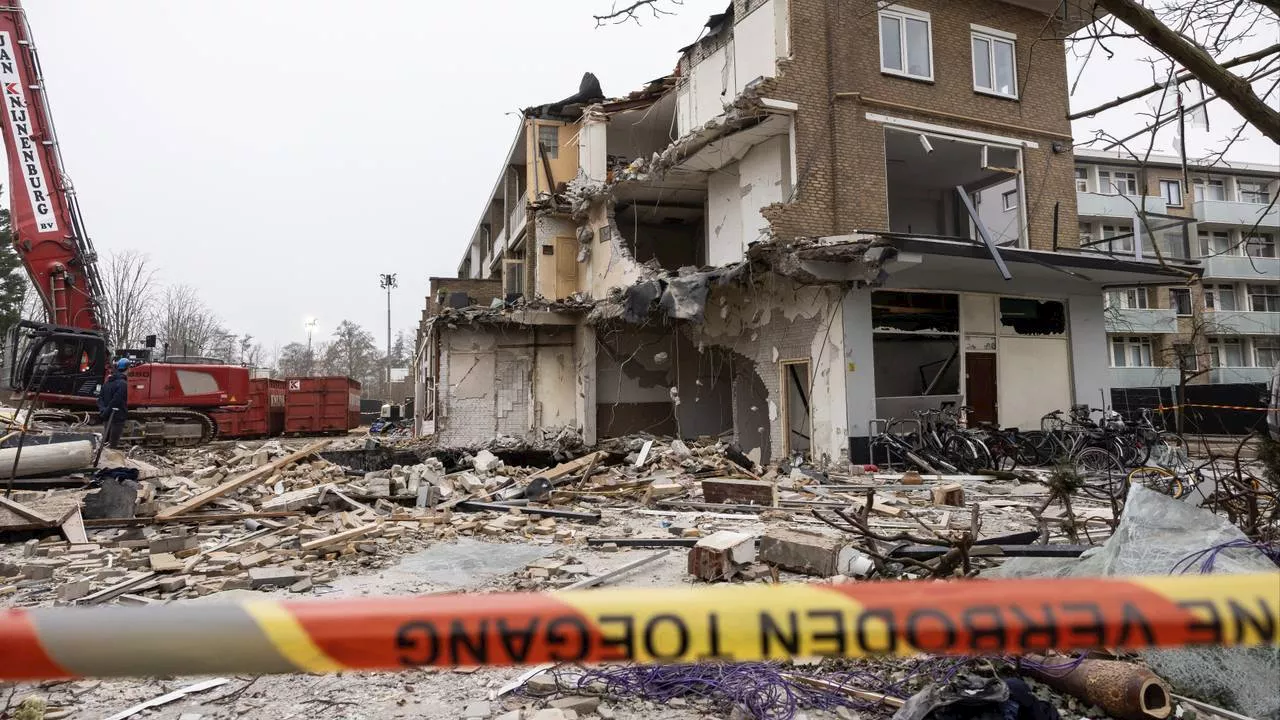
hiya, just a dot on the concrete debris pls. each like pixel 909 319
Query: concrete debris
pixel 722 555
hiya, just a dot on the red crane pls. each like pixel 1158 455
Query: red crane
pixel 64 361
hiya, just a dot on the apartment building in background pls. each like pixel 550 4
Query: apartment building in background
pixel 792 236
pixel 1225 321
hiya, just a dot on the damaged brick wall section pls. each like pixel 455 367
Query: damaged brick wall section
pixel 769 322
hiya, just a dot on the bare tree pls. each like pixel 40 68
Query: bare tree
pixel 128 297
pixel 185 325
pixel 251 353
pixel 293 360
pixel 629 10
pixel 32 304
pixel 353 353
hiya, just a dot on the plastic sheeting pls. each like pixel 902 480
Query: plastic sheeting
pixel 1158 535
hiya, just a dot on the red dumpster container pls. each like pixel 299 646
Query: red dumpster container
pixel 263 417
pixel 321 405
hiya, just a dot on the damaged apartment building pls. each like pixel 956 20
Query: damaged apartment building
pixel 783 241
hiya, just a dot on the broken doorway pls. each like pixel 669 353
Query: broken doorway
pixel 796 412
pixel 923 171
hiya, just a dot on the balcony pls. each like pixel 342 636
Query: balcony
pixel 1230 322
pixel 1116 206
pixel 1224 212
pixel 1225 375
pixel 515 220
pixel 1143 377
pixel 1143 322
pixel 499 244
pixel 1239 267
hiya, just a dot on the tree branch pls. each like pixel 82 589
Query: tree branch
pixel 1180 79
pixel 1231 88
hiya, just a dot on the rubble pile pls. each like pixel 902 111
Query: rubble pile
pixel 303 517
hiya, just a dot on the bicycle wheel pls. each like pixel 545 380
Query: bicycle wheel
pixel 1169 451
pixel 1028 451
pixel 1004 453
pixel 1162 480
pixel 1107 478
pixel 1041 444
pixel 1141 443
pixel 962 453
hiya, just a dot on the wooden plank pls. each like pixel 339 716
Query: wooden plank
pixel 73 528
pixel 193 518
pixel 570 467
pixel 120 588
pixel 340 537
pixel 255 475
pixel 26 512
pixel 745 492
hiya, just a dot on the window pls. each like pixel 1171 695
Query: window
pixel 1266 352
pixel 549 140
pixel 1260 246
pixel 1185 357
pixel 1128 299
pixel 1220 297
pixel 1086 234
pixel 1124 235
pixel 1253 191
pixel 1131 352
pixel 994 67
pixel 1117 182
pixel 1009 199
pixel 906 43
pixel 1263 298
pixel 1225 352
pixel 1214 243
pixel 1180 299
pixel 1203 189
pixel 1171 190
pixel 1082 179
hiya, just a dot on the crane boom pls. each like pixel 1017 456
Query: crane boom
pixel 48 233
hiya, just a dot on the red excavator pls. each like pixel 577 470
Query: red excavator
pixel 65 361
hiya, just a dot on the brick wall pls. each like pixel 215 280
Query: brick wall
pixel 481 292
pixel 840 156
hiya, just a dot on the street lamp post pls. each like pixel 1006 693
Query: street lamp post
pixel 388 281
pixel 311 327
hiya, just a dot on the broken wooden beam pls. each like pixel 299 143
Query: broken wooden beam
pixel 191 518
pixel 616 572
pixel 236 483
pixel 742 492
pixel 73 528
pixel 340 537
pixel 477 506
pixel 644 542
pixel 27 513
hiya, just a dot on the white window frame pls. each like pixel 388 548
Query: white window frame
pixel 1265 191
pixel 553 151
pixel 1218 351
pixel 1082 183
pixel 993 37
pixel 1126 343
pixel 1176 186
pixel 1213 297
pixel 1005 197
pixel 1134 298
pixel 1259 242
pixel 1086 233
pixel 1111 187
pixel 1200 189
pixel 902 14
pixel 1270 344
pixel 1204 241
pixel 1126 243
pixel 1270 294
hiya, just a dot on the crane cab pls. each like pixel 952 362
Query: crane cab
pixel 55 360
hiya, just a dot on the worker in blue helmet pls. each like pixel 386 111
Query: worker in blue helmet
pixel 113 403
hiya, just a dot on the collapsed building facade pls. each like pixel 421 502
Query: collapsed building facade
pixel 784 242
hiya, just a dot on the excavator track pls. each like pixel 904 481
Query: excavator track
pixel 171 427
pixel 153 427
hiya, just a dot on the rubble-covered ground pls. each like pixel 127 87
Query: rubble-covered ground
pixel 344 521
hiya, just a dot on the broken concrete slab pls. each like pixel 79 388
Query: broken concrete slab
pixel 278 576
pixel 581 704
pixel 719 556
pixel 811 553
pixel 113 499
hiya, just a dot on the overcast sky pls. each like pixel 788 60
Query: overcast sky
pixel 277 155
